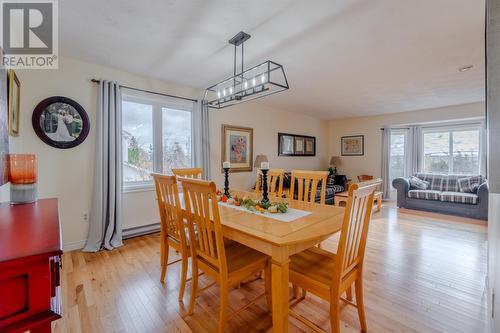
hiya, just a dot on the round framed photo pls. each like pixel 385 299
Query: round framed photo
pixel 60 122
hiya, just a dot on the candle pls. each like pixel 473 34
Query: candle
pixel 264 166
pixel 226 165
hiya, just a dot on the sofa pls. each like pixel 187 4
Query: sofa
pixel 334 184
pixel 449 194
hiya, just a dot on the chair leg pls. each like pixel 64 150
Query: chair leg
pixel 164 259
pixel 223 307
pixel 268 284
pixel 360 304
pixel 194 286
pixel 348 293
pixel 183 277
pixel 295 290
pixel 335 312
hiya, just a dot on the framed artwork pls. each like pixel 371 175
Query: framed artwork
pixel 310 146
pixel 4 127
pixel 237 147
pixel 14 92
pixel 299 145
pixel 296 145
pixel 60 122
pixel 285 144
pixel 353 145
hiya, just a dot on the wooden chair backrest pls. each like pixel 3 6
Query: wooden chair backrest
pixel 274 181
pixel 171 219
pixel 363 178
pixel 188 172
pixel 307 184
pixel 352 243
pixel 202 214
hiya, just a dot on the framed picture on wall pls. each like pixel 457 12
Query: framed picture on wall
pixel 296 145
pixel 285 144
pixel 237 147
pixel 14 102
pixel 299 145
pixel 353 145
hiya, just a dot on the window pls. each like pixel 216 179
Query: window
pixel 156 136
pixel 454 150
pixel 398 156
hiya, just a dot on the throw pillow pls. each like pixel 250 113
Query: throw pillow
pixel 469 184
pixel 419 184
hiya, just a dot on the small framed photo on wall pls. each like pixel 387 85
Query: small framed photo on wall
pixel 353 145
pixel 299 145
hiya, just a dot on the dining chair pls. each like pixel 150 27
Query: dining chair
pixel 188 172
pixel 172 229
pixel 274 182
pixel 307 183
pixel 227 265
pixel 364 178
pixel 329 275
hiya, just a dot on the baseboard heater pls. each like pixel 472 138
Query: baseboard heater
pixel 141 230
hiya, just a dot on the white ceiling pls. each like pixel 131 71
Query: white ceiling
pixel 342 58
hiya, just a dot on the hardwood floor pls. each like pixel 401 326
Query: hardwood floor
pixel 424 273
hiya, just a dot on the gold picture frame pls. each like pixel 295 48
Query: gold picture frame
pixel 14 102
pixel 237 148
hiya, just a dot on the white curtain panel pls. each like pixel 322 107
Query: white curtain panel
pixel 105 231
pixel 386 160
pixel 202 138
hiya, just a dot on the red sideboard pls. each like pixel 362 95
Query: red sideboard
pixel 30 260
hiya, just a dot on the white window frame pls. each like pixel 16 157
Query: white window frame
pixel 158 102
pixel 455 128
pixel 404 131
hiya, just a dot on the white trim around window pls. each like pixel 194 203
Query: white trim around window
pixel 157 103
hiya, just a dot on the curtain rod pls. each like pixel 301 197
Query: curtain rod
pixel 381 128
pixel 151 92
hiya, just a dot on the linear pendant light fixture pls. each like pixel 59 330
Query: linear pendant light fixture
pixel 262 80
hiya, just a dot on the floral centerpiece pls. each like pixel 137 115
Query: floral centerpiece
pixel 253 204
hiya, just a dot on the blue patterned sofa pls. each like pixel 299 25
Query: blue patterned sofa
pixel 449 194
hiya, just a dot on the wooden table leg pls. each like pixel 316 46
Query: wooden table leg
pixel 280 281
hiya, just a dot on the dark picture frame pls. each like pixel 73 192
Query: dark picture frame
pixel 79 119
pixel 296 145
pixel 352 145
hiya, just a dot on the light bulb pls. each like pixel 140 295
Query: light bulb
pixel 230 90
pixel 263 78
pixel 218 93
pixel 253 82
pixel 224 92
pixel 245 84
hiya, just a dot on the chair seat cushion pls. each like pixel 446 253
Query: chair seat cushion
pixel 424 194
pixel 314 263
pixel 460 197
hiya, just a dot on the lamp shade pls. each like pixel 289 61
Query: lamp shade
pixel 259 159
pixel 335 160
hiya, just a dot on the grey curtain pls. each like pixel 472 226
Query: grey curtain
pixel 202 138
pixel 386 159
pixel 414 150
pixel 105 229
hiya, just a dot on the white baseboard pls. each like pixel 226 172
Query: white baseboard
pixel 74 245
pixel 127 233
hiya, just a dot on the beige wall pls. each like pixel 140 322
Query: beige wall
pixel 67 174
pixel 371 163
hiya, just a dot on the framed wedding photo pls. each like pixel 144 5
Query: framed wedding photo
pixel 237 148
pixel 353 145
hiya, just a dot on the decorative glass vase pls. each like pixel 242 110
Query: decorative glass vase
pixel 22 178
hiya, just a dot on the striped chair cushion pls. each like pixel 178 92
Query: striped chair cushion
pixel 338 188
pixel 460 197
pixel 424 194
pixel 469 184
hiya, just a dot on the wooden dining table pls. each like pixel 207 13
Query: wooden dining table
pixel 280 240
